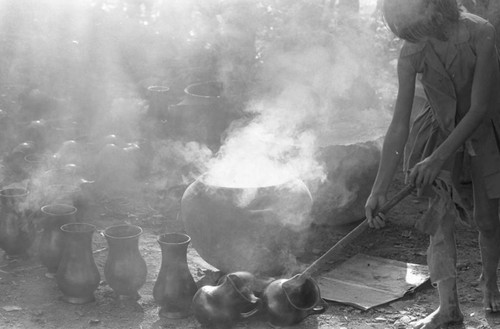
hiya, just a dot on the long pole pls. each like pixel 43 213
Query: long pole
pixel 342 243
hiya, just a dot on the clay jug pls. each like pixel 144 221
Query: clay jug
pixel 287 305
pixel 50 248
pixel 17 230
pixel 175 287
pixel 230 301
pixel 159 100
pixel 125 270
pixel 77 276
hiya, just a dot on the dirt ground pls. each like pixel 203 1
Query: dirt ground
pixel 28 299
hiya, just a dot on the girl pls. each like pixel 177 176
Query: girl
pixel 454 56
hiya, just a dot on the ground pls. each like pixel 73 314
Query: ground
pixel 29 299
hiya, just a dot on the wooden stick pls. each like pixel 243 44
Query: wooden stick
pixel 342 243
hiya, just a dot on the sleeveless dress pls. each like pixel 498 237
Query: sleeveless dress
pixel 447 84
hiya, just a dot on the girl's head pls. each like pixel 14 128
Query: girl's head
pixel 415 20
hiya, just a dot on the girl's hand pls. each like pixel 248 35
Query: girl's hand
pixel 425 172
pixel 375 202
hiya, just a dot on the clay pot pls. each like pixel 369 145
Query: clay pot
pixel 50 248
pixel 256 229
pixel 125 269
pixel 201 116
pixel 159 101
pixel 174 287
pixel 227 303
pixel 77 276
pixel 287 305
pixel 33 162
pixel 17 231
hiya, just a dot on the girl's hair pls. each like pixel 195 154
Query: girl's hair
pixel 413 20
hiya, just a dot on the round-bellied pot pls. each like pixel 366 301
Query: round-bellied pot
pixel 259 229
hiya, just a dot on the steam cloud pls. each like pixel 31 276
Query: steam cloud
pixel 303 88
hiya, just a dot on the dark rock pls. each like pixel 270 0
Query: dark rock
pixel 351 171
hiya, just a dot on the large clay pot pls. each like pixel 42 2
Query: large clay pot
pixel 77 276
pixel 255 229
pixel 125 269
pixel 17 231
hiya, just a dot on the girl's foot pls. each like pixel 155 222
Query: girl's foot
pixel 491 299
pixel 438 318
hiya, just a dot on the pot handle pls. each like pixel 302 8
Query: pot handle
pixel 257 308
pixel 319 308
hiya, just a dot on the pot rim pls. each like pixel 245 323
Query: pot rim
pixel 196 84
pixel 108 234
pixel 313 285
pixel 203 179
pixel 71 210
pixel 34 158
pixel 22 192
pixel 186 239
pixel 84 228
pixel 160 88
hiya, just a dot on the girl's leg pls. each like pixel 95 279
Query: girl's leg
pixel 441 259
pixel 488 224
pixel 448 311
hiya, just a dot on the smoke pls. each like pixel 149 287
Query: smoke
pixel 299 77
pixel 315 86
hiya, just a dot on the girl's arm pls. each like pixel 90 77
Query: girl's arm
pixel 394 141
pixel 426 171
